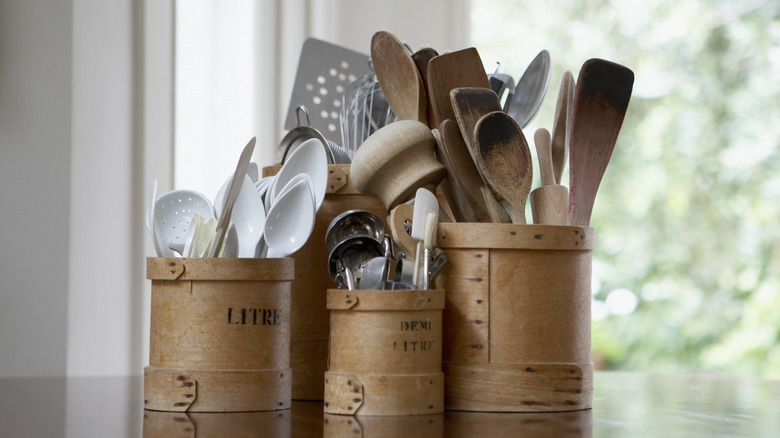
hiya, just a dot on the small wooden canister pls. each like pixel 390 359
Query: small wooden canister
pixel 220 335
pixel 309 317
pixel 385 352
pixel 517 320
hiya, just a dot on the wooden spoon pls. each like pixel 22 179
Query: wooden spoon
pixel 421 59
pixel 506 159
pixel 550 201
pixel 446 72
pixel 398 77
pixel 561 124
pixel 600 101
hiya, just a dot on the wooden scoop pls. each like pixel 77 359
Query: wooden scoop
pixel 561 124
pixel 446 72
pixel 600 102
pixel 506 159
pixel 398 77
pixel 550 201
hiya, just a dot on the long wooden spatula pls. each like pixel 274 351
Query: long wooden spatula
pixel 600 101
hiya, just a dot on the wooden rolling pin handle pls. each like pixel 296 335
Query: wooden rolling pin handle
pixel 550 204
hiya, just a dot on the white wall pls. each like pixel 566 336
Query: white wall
pixel 35 127
pixel 86 122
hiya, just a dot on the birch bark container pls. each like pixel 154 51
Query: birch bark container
pixel 310 319
pixel 220 335
pixel 517 317
pixel 385 353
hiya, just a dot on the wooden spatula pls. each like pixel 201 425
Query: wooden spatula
pixel 462 173
pixel 446 72
pixel 600 101
pixel 398 77
pixel 506 162
pixel 421 59
pixel 561 125
pixel 469 104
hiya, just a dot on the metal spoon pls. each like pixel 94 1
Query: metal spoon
pixel 529 93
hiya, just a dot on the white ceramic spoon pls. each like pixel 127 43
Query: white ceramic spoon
pixel 248 215
pixel 295 180
pixel 290 221
pixel 310 158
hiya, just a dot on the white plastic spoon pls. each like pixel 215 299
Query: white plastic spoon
pixel 248 215
pixel 310 158
pixel 290 221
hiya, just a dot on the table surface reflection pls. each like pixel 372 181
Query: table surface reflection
pixel 625 404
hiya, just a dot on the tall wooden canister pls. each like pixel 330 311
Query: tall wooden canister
pixel 517 319
pixel 385 352
pixel 220 335
pixel 309 316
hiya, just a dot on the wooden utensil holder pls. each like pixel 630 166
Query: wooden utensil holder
pixel 517 317
pixel 220 335
pixel 385 353
pixel 310 319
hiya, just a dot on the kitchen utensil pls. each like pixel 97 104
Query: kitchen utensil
pixel 430 234
pixel 462 172
pixel 502 84
pixel 506 162
pixel 601 98
pixel 352 254
pixel 421 59
pixel 248 215
pixel 446 72
pixel 530 90
pixel 395 161
pixel 303 132
pixel 309 158
pixel 354 223
pixel 230 199
pixel 400 216
pixel 363 111
pixel 425 204
pixel 398 76
pixel 254 172
pixel 374 274
pixel 455 205
pixel 173 212
pixel 469 104
pixel 290 221
pixel 231 248
pixel 550 201
pixel 324 72
pixel 160 248
pixel 561 125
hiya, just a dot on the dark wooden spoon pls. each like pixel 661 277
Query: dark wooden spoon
pixel 506 162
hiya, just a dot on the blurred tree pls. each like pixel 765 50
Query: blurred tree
pixel 687 265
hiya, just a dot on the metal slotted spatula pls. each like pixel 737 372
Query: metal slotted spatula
pixel 325 70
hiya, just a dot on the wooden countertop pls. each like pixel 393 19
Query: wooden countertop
pixel 624 405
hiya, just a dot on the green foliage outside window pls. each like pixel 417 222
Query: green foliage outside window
pixel 687 265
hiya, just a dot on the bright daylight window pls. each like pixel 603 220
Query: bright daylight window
pixel 686 272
